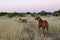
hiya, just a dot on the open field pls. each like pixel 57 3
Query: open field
pixel 13 29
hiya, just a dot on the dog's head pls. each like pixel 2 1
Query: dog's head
pixel 37 18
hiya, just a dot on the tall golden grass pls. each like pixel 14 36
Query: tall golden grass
pixel 13 29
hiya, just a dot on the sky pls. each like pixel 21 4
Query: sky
pixel 29 5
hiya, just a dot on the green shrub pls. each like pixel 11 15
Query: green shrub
pixel 21 15
pixel 10 15
pixel 32 15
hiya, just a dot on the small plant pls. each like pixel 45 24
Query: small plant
pixel 10 16
pixel 21 15
pixel 32 15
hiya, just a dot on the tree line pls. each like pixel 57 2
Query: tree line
pixel 42 13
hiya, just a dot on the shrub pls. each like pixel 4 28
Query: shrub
pixel 32 15
pixel 21 15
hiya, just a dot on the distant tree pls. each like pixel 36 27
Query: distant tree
pixel 56 13
pixel 3 13
pixel 21 15
pixel 49 13
pixel 28 13
pixel 14 14
pixel 43 13
pixel 10 15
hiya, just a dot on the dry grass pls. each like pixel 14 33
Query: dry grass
pixel 13 29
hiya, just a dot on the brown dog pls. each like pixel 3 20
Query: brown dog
pixel 43 24
pixel 23 19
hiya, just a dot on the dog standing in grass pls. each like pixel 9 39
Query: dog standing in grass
pixel 43 24
pixel 23 19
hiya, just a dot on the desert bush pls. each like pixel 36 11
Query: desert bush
pixel 2 14
pixel 32 15
pixel 56 13
pixel 10 15
pixel 21 15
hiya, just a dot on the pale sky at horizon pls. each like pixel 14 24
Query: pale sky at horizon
pixel 29 5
